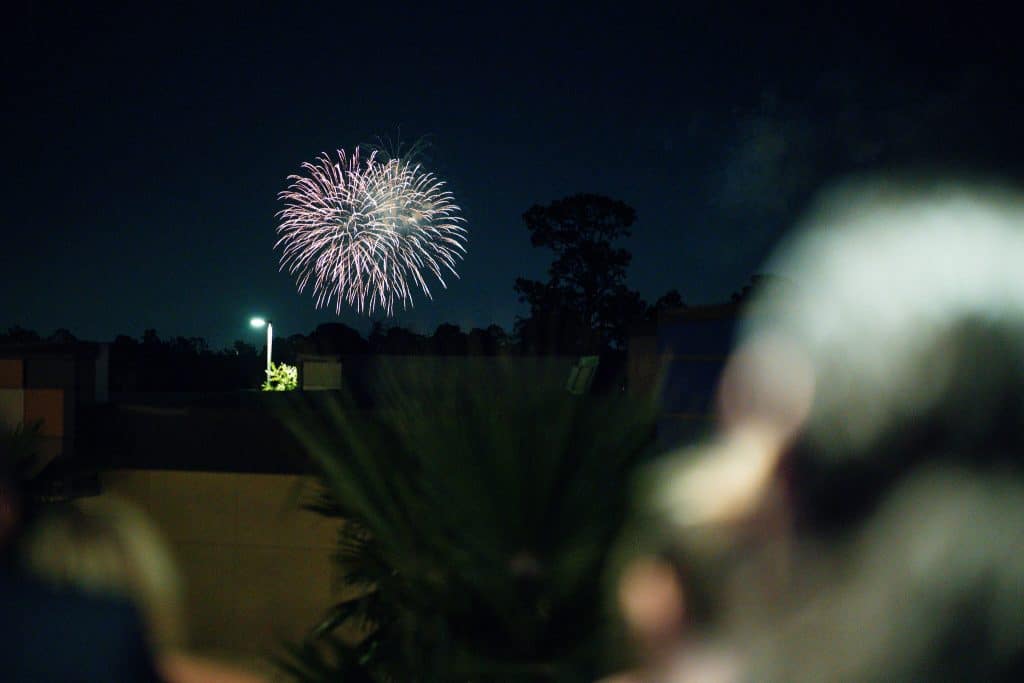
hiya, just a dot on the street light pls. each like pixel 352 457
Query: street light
pixel 260 322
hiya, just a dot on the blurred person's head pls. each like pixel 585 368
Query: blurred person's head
pixel 930 588
pixel 899 343
pixel 109 547
pixel 908 326
pixel 899 350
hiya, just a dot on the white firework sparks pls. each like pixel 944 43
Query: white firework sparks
pixel 367 231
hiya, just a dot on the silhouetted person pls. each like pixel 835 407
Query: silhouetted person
pixel 862 505
pixel 107 546
pixel 51 636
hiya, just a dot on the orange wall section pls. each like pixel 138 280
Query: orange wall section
pixel 12 408
pixel 46 405
pixel 12 373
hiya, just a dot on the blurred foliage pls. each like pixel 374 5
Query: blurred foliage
pixel 281 377
pixel 478 514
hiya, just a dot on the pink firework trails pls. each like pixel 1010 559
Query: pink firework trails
pixel 366 231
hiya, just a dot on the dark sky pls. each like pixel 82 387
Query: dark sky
pixel 146 145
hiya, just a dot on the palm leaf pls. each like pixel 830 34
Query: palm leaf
pixel 478 521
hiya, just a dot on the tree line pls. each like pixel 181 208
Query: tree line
pixel 584 307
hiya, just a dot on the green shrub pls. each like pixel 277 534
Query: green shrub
pixel 281 377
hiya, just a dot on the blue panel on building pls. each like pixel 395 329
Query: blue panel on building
pixel 697 337
pixel 689 386
pixel 679 432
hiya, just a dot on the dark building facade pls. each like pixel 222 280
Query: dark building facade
pixel 681 357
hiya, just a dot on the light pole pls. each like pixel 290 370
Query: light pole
pixel 260 322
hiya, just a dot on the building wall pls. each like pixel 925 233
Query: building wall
pixel 696 345
pixel 320 374
pixel 40 390
pixel 256 567
pixel 681 360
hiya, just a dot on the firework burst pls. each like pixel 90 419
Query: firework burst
pixel 367 231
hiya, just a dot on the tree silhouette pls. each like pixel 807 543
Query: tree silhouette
pixel 336 338
pixel 19 335
pixel 62 336
pixel 395 340
pixel 585 305
pixel 669 301
pixel 449 340
pixel 487 342
pixel 759 282
pixel 242 348
pixel 181 364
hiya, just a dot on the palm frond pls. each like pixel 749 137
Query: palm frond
pixel 479 513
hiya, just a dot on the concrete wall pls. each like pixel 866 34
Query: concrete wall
pixel 43 390
pixel 317 373
pixel 256 568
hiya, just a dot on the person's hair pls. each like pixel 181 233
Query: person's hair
pixel 974 422
pixel 910 315
pixel 109 547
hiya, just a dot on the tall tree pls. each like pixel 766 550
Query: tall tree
pixel 669 301
pixel 449 340
pixel 337 338
pixel 395 340
pixel 62 336
pixel 19 335
pixel 486 342
pixel 586 292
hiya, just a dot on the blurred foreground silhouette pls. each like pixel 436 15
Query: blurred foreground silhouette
pixel 50 635
pixel 859 515
pixel 110 549
pixel 88 591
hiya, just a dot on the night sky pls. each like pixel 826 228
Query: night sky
pixel 145 146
